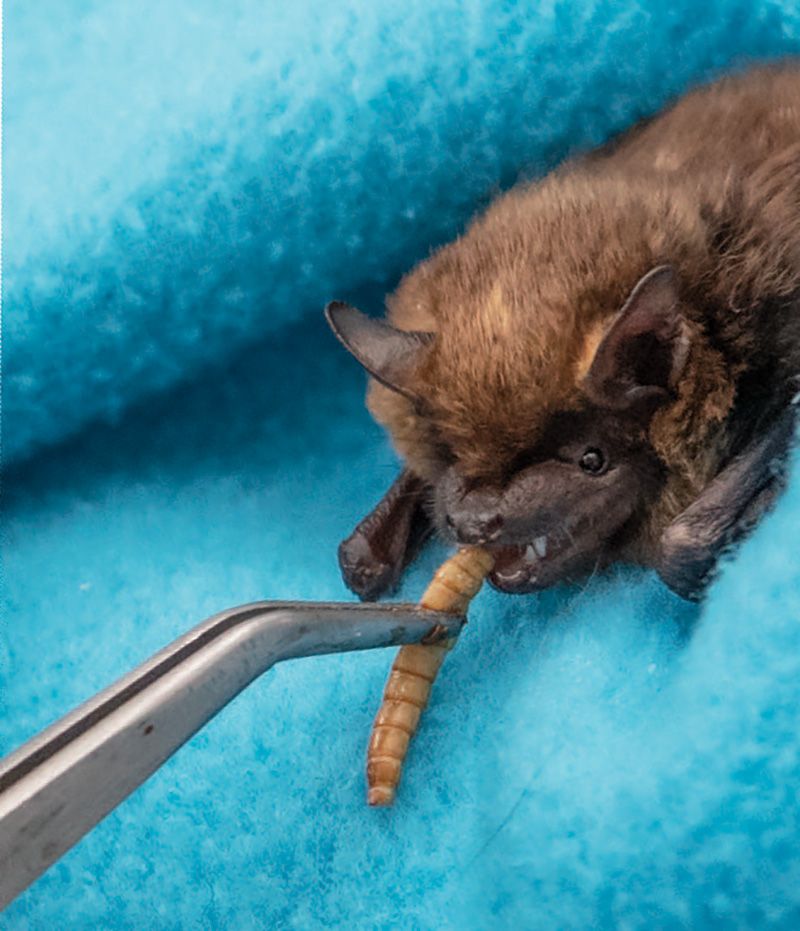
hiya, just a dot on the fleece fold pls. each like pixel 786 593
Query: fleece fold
pixel 183 179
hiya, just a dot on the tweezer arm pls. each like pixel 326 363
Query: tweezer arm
pixel 56 787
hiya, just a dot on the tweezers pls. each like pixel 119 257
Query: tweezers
pixel 58 785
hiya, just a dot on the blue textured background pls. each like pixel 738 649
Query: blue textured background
pixel 186 184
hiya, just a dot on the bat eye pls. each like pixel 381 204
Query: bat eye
pixel 593 461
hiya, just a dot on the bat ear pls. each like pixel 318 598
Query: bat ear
pixel 643 353
pixel 388 354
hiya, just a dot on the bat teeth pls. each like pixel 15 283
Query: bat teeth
pixel 536 550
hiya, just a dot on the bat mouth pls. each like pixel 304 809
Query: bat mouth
pixel 545 561
pixel 522 568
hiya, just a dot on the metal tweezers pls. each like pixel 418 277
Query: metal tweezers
pixel 58 785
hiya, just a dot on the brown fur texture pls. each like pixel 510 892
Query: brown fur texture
pixel 522 299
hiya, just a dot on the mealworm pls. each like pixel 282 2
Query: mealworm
pixel 414 670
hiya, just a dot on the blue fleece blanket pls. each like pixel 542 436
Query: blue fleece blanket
pixel 185 186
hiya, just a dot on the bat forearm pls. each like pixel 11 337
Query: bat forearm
pixel 726 510
pixel 373 557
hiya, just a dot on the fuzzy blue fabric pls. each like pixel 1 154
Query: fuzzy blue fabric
pixel 186 186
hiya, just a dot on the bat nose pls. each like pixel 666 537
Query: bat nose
pixel 476 528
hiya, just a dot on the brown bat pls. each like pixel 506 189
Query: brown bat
pixel 603 366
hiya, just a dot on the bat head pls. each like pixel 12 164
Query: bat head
pixel 554 480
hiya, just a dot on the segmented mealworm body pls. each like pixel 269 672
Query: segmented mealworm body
pixel 414 670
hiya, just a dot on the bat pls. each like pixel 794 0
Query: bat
pixel 602 367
